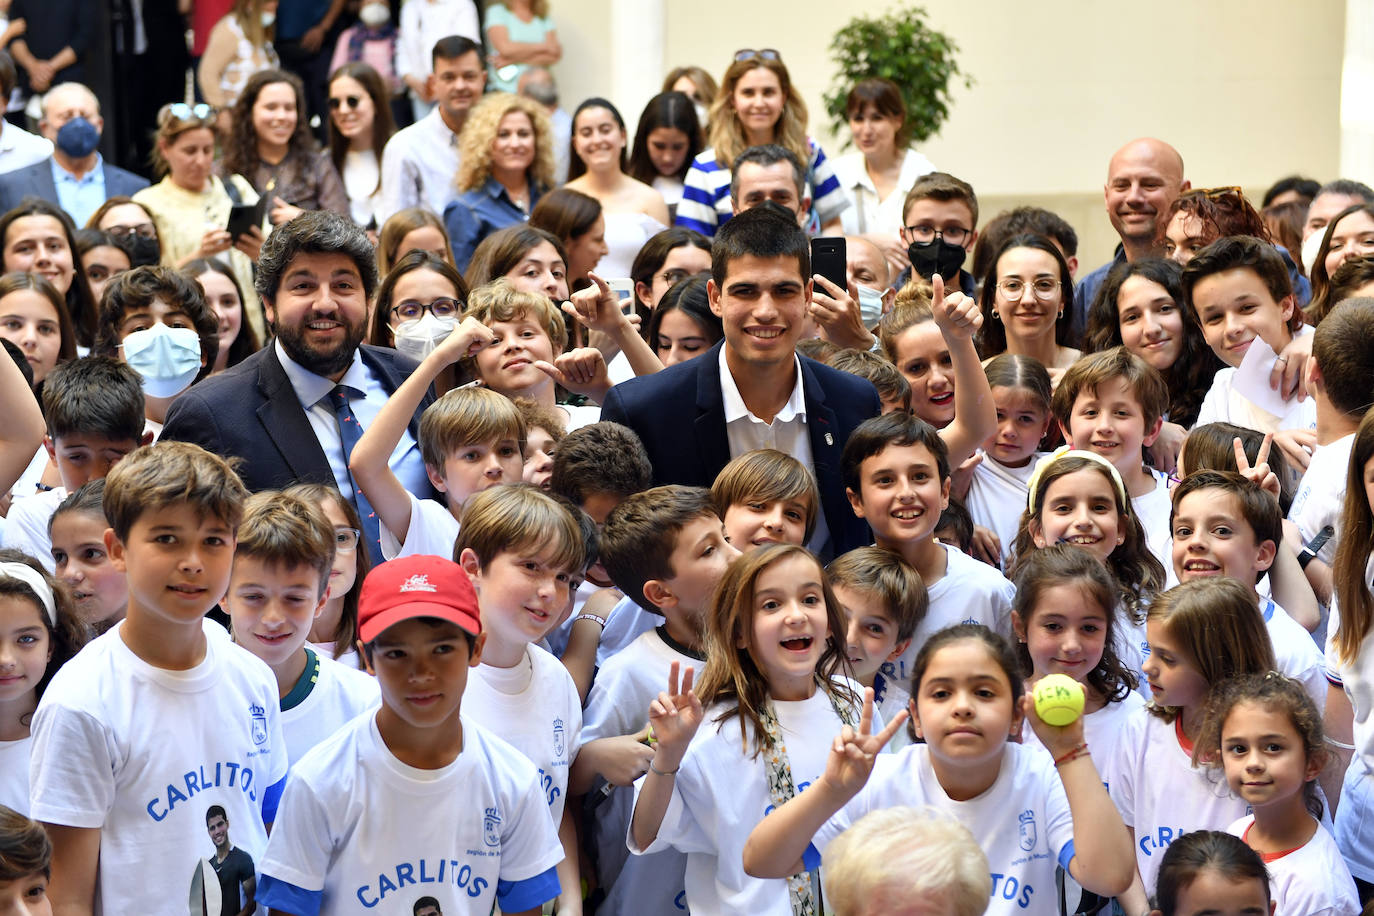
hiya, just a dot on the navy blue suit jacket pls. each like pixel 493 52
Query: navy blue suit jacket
pixel 251 412
pixel 36 181
pixel 679 414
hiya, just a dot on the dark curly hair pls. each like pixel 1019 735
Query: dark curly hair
pixel 241 145
pixel 1190 377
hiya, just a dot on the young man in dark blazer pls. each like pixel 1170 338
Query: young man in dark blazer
pixel 752 390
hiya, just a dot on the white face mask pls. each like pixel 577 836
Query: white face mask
pixel 418 338
pixel 870 306
pixel 168 359
pixel 703 115
pixel 267 19
pixel 374 14
pixel 1310 249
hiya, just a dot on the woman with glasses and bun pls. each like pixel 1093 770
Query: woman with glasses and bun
pixel 359 125
pixel 133 228
pixel 191 204
pixel 1027 302
pixel 756 105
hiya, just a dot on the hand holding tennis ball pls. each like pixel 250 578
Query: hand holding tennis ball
pixel 1058 699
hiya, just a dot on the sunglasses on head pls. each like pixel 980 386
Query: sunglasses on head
pixel 183 112
pixel 760 54
pixel 348 101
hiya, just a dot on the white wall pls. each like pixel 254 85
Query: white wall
pixel 1247 90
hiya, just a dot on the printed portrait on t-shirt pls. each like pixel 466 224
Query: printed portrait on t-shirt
pixel 224 883
pixel 427 906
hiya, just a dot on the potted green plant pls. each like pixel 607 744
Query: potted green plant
pixel 900 46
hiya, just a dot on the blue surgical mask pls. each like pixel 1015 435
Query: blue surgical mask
pixel 168 359
pixel 78 138
pixel 870 306
pixel 418 338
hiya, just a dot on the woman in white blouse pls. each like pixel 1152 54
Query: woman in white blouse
pixel 878 175
pixel 359 126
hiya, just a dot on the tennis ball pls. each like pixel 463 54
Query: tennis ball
pixel 1058 699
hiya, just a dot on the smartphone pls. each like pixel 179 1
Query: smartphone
pixel 624 289
pixel 242 218
pixel 828 260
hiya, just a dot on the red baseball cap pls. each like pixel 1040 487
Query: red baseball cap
pixel 416 586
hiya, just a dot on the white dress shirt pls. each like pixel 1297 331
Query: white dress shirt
pixel 312 389
pixel 419 166
pixel 787 433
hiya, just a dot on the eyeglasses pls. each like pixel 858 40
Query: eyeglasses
pixel 142 230
pixel 348 101
pixel 346 539
pixel 1219 193
pixel 760 54
pixel 180 111
pixel 1013 288
pixel 673 275
pixel 922 235
pixel 443 307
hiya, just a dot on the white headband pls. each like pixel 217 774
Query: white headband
pixel 1064 451
pixel 34 580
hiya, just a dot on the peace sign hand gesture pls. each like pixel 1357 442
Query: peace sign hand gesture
pixel 852 754
pixel 1258 473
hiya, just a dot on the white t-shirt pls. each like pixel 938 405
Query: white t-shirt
pixel 997 497
pixel 26 526
pixel 1223 403
pixel 1321 494
pixel 969 592
pixel 432 532
pixel 361 832
pixel 1101 731
pixel 339 695
pixel 536 707
pixel 1355 816
pixel 142 753
pixel 1132 646
pixel 1295 652
pixel 721 793
pixel 14 773
pixel 1153 511
pixel 1022 822
pixel 619 705
pixel 1312 880
pixel 1159 793
pixel 348 659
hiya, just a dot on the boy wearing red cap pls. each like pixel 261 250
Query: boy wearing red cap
pixel 413 800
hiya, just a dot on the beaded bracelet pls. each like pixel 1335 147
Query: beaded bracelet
pixel 1079 751
pixel 672 772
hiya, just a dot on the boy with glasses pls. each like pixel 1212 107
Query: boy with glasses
pixel 938 228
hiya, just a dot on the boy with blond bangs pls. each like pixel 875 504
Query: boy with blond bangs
pixel 1113 403
pixel 279 585
pixel 666 548
pixel 884 600
pixel 417 800
pixel 896 474
pixel 470 439
pixel 1226 525
pixel 766 497
pixel 161 717
pixel 522 549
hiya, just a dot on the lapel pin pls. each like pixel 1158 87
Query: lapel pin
pixel 829 439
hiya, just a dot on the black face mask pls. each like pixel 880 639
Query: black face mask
pixel 142 252
pixel 936 257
